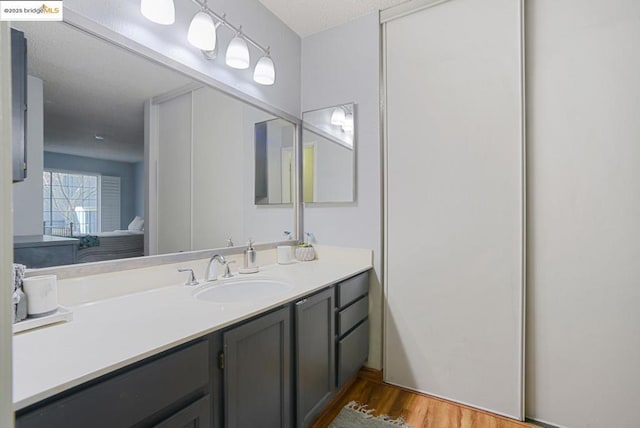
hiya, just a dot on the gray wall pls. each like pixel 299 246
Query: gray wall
pixel 124 170
pixel 27 195
pixel 342 65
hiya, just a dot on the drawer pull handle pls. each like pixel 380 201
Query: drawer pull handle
pixel 301 302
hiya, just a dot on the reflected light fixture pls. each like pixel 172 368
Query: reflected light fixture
pixel 238 53
pixel 347 126
pixel 202 32
pixel 159 11
pixel 337 116
pixel 265 71
pixel 202 35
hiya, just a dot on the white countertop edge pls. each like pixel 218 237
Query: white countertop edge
pixel 33 398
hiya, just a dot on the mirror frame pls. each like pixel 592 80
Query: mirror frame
pixel 300 146
pixel 101 32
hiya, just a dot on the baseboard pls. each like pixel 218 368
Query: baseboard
pixel 371 375
pixel 541 424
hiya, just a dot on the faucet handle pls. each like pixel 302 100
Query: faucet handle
pixel 192 277
pixel 227 269
pixel 229 242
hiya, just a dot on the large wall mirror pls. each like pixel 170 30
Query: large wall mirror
pixel 127 157
pixel 329 154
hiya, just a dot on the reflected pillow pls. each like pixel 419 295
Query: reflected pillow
pixel 136 224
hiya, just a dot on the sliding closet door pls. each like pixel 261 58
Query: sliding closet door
pixel 174 175
pixel 454 203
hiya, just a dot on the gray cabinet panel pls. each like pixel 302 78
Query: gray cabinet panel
pixel 131 397
pixel 257 372
pixel 18 104
pixel 353 350
pixel 315 352
pixel 195 415
pixel 353 288
pixel 352 315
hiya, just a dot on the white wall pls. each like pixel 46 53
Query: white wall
pixel 342 65
pixel 583 338
pixel 258 22
pixel 27 195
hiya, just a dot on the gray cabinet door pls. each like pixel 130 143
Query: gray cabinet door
pixel 195 415
pixel 257 372
pixel 315 350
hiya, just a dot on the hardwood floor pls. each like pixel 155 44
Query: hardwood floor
pixel 420 411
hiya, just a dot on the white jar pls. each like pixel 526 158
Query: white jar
pixel 42 295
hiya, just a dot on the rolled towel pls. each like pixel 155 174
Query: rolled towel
pixel 18 275
pixel 19 298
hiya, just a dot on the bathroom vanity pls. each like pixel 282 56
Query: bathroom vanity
pixel 195 363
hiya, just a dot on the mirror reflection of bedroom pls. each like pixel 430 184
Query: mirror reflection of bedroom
pixel 129 158
pixel 84 196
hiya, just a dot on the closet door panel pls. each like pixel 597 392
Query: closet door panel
pixel 174 175
pixel 454 203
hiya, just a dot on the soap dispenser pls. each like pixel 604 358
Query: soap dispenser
pixel 250 264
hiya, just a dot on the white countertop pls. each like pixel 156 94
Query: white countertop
pixel 109 334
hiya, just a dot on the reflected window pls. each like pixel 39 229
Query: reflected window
pixel 70 203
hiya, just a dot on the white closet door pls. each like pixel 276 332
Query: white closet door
pixel 174 175
pixel 454 203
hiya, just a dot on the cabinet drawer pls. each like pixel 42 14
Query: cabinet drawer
pixel 352 288
pixel 353 351
pixel 195 415
pixel 352 315
pixel 130 397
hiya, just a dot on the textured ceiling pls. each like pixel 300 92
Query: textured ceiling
pixel 307 17
pixel 93 87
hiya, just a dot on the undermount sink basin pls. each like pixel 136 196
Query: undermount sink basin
pixel 242 290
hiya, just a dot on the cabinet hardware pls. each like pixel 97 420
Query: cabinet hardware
pixel 221 360
pixel 301 302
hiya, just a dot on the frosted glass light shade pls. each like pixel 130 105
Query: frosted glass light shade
pixel 238 53
pixel 202 32
pixel 265 71
pixel 159 11
pixel 347 126
pixel 337 117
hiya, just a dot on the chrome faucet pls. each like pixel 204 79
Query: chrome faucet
pixel 223 262
pixel 207 272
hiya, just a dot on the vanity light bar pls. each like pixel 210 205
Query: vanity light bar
pixel 237 52
pixel 223 20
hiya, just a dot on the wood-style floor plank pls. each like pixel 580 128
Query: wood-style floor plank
pixel 420 411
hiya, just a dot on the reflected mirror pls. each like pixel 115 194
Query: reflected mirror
pixel 329 154
pixel 103 183
pixel 274 162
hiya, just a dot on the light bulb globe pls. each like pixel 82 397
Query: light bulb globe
pixel 265 71
pixel 159 11
pixel 202 32
pixel 237 53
